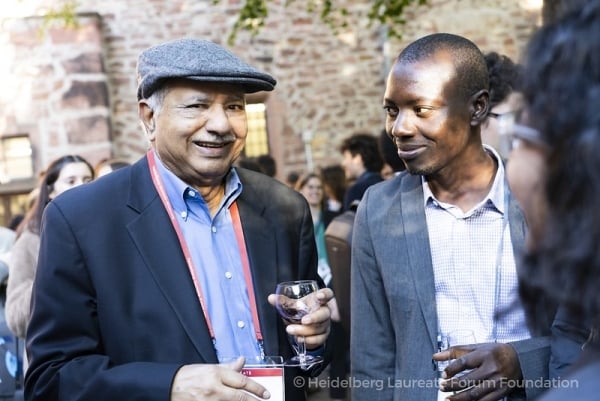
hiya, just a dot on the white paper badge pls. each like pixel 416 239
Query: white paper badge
pixel 269 377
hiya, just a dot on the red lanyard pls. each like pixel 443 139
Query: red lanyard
pixel 239 234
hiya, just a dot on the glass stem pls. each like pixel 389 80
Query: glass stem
pixel 301 352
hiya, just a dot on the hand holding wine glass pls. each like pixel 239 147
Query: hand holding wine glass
pixel 445 341
pixel 293 301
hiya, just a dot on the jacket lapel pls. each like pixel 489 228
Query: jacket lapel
pixel 419 250
pixel 157 242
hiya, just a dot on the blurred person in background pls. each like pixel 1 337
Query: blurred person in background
pixel 267 165
pixel 62 174
pixel 505 98
pixel 553 172
pixel 311 187
pixel 362 164
pixel 249 163
pixel 334 185
pixel 106 166
pixel 292 178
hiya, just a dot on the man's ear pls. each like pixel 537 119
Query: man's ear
pixel 146 115
pixel 480 107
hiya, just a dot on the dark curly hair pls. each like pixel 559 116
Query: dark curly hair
pixel 504 76
pixel 366 146
pixel 562 89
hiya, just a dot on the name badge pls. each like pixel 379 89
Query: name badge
pixel 268 373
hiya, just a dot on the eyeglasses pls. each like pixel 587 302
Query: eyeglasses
pixel 512 134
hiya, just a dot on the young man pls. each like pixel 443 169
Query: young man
pixel 433 248
pixel 362 163
pixel 153 275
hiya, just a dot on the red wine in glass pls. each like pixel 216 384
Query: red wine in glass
pixel 296 299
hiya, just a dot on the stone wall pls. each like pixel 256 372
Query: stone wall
pixel 56 88
pixel 73 90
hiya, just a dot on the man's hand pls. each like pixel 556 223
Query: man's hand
pixel 494 366
pixel 315 325
pixel 215 383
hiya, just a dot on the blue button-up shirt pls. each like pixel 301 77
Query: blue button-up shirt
pixel 217 263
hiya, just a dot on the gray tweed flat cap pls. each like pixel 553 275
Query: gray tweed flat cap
pixel 198 60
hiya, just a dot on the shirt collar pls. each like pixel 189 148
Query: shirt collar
pixel 177 190
pixel 496 194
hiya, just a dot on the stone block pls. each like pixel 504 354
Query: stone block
pixel 84 94
pixel 88 63
pixel 86 130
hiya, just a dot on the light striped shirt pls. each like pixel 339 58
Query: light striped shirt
pixel 476 283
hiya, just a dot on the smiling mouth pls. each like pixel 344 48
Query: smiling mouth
pixel 410 152
pixel 214 145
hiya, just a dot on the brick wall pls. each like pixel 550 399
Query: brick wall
pixel 73 90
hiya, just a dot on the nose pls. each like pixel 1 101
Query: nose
pixel 400 125
pixel 217 120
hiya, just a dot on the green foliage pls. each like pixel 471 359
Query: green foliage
pixel 63 15
pixel 251 18
pixel 253 14
pixel 389 12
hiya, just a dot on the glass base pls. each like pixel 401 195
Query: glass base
pixel 305 363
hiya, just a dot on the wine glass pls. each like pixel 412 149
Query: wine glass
pixel 452 339
pixel 295 299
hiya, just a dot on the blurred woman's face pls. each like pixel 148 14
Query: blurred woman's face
pixel 71 176
pixel 526 175
pixel 313 191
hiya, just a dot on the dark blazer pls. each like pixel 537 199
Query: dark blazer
pixel 355 192
pixel 114 310
pixel 394 316
pixel 581 381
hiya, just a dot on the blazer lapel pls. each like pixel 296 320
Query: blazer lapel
pixel 419 250
pixel 157 242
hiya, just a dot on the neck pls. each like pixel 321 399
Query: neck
pixel 213 197
pixel 315 211
pixel 466 185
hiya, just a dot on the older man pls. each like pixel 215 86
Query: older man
pixel 152 275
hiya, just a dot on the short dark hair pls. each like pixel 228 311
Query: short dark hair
pixel 249 163
pixel 365 145
pixel 471 70
pixel 267 165
pixel 292 178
